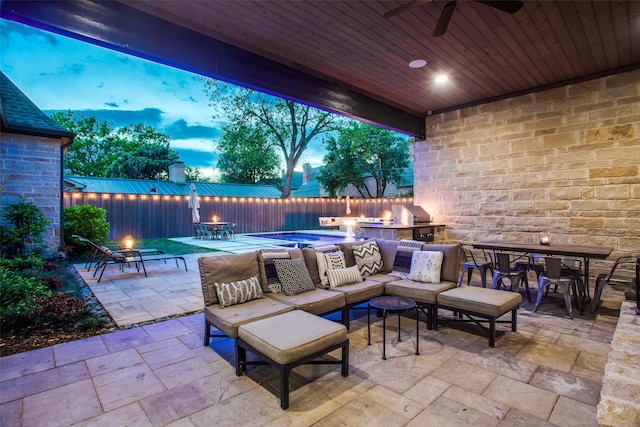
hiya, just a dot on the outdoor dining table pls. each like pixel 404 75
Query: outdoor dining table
pixel 580 251
pixel 214 225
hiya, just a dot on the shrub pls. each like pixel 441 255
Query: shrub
pixel 87 221
pixel 21 264
pixel 24 237
pixel 18 294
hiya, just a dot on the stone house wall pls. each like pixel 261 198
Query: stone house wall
pixel 30 167
pixel 564 161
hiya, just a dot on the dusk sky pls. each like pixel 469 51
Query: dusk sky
pixel 59 73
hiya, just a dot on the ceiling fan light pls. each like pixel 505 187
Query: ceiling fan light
pixel 417 63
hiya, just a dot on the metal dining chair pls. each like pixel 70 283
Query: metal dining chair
pixel 504 268
pixel 621 274
pixel 552 275
pixel 470 263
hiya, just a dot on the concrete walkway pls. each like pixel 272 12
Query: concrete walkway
pixel 548 373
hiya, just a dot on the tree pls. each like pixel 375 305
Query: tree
pixel 135 151
pixel 144 160
pixel 362 151
pixel 290 126
pixel 246 156
pixel 95 147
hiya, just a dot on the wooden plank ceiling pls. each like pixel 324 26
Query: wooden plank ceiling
pixel 487 54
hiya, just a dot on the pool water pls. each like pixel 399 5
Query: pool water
pixel 302 239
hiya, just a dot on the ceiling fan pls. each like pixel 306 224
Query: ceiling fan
pixel 509 6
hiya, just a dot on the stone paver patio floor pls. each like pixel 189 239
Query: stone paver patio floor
pixel 548 373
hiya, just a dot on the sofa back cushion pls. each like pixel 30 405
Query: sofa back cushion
pixel 225 268
pixel 451 262
pixel 388 249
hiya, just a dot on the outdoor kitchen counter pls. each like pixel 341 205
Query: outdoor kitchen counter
pixel 419 231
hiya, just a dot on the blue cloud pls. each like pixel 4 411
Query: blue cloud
pixel 111 104
pixel 180 129
pixel 148 116
pixel 195 158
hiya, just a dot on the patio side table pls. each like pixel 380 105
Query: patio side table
pixel 392 305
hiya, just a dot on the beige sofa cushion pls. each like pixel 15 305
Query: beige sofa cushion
pixel 290 337
pixel 492 302
pixel 225 268
pixel 359 292
pixel 228 319
pixel 417 291
pixel 318 301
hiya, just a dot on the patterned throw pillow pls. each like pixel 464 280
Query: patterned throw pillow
pixel 238 292
pixel 402 262
pixel 426 266
pixel 344 276
pixel 294 276
pixel 328 260
pixel 266 257
pixel 368 258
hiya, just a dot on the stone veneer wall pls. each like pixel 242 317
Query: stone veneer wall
pixel 564 161
pixel 30 167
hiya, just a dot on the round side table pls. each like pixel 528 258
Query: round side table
pixel 392 305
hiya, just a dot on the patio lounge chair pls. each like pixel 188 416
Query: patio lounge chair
pixel 107 256
pixel 95 254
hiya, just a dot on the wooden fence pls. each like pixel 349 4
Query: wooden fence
pixel 146 216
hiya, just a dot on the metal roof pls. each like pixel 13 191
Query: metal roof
pixel 142 186
pixel 19 114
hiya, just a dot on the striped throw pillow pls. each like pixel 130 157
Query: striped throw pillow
pixel 329 260
pixel 266 257
pixel 344 276
pixel 238 292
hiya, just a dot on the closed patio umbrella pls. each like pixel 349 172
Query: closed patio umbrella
pixel 348 206
pixel 194 204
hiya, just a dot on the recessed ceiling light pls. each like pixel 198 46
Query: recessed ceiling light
pixel 417 63
pixel 441 78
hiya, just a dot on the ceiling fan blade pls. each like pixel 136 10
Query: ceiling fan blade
pixel 505 6
pixel 445 17
pixel 405 7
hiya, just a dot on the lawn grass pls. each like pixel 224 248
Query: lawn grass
pixel 165 245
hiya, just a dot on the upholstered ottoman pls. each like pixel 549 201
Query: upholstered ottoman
pixel 289 340
pixel 489 304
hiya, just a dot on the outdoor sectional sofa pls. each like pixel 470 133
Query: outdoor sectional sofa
pixel 323 299
pixel 245 295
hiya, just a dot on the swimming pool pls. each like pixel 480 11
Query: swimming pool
pixel 301 239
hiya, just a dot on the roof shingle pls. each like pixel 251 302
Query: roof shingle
pixel 20 115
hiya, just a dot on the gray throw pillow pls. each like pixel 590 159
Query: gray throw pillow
pixel 294 276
